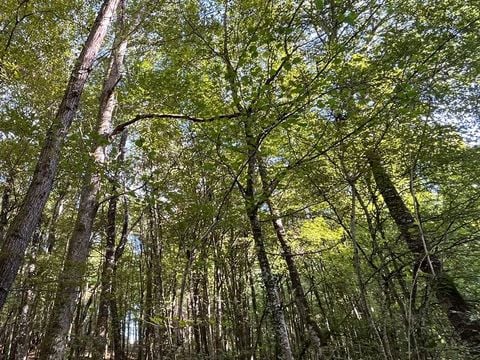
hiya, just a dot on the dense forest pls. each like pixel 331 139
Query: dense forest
pixel 240 179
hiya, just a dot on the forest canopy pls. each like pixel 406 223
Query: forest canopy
pixel 239 179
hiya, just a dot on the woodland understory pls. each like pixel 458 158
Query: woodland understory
pixel 240 179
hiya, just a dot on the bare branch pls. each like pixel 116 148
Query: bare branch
pixel 119 128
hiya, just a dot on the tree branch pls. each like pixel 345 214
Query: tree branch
pixel 119 128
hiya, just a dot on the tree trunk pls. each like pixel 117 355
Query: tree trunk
pixel 118 352
pixel 101 327
pixel 316 336
pixel 179 331
pixel 109 264
pixel 5 207
pixel 74 267
pixel 20 231
pixel 156 237
pixel 54 343
pixel 365 309
pixel 273 297
pixel 115 318
pixel 204 317
pixel 51 227
pixel 457 309
pixel 22 334
pixel 218 297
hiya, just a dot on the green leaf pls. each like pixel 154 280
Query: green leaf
pixel 139 142
pixel 319 4
pixel 350 18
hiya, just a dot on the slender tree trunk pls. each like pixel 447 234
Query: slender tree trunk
pixel 54 343
pixel 257 340
pixel 51 238
pixel 20 230
pixel 109 264
pixel 204 306
pixel 194 304
pixel 118 349
pixel 179 337
pixel 151 294
pixel 107 105
pixel 156 237
pixel 361 284
pixel 457 309
pixel 278 317
pixel 143 294
pixel 218 294
pixel 116 331
pixel 22 334
pixel 5 205
pixel 316 336
pixel 101 327
pixel 118 353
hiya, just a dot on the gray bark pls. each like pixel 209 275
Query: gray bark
pixel 51 228
pixel 457 309
pixel 101 327
pixel 109 265
pixel 20 231
pixel 70 280
pixel 317 338
pixel 5 207
pixel 114 316
pixel 22 333
pixel 273 297
pixel 105 117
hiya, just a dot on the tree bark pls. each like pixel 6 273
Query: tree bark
pixel 179 331
pixel 109 264
pixel 101 327
pixel 22 333
pixel 361 283
pixel 114 316
pixel 20 231
pixel 5 207
pixel 70 280
pixel 317 338
pixel 273 297
pixel 457 309
pixel 51 227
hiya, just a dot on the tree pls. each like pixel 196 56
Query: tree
pixel 26 220
pixel 297 181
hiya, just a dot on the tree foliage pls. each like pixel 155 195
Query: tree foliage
pixel 293 179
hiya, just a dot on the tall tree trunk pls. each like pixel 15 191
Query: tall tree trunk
pixel 117 345
pixel 150 291
pixel 179 331
pixel 101 327
pixel 114 316
pixel 361 283
pixel 204 316
pixel 318 339
pixel 70 280
pixel 20 231
pixel 194 305
pixel 156 237
pixel 51 227
pixel 5 205
pixel 256 343
pixel 109 264
pixel 218 296
pixel 273 297
pixel 457 309
pixel 22 333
